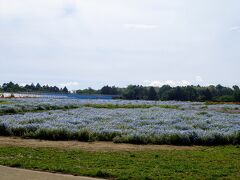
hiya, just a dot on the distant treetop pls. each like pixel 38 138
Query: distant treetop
pixel 12 87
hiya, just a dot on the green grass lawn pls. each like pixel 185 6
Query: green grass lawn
pixel 221 162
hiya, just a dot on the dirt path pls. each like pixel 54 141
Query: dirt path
pixel 93 146
pixel 7 173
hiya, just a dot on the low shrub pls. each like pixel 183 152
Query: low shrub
pixel 102 174
pixel 181 139
pixel 19 131
pixel 89 136
pixel 4 130
pixel 170 106
pixel 107 136
pixel 85 135
pixel 50 134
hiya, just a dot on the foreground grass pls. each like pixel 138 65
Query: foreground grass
pixel 206 163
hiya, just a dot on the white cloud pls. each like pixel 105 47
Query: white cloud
pixel 169 82
pixel 23 84
pixel 198 79
pixel 146 81
pixel 155 83
pixel 184 83
pixel 140 26
pixel 172 83
pixel 105 41
pixel 235 28
pixel 67 84
pixel 38 8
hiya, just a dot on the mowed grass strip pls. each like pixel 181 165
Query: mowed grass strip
pixel 36 109
pixel 116 106
pixel 42 108
pixel 221 162
pixel 5 102
pixel 129 106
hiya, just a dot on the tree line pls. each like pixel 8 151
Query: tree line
pixel 138 92
pixel 12 87
pixel 166 93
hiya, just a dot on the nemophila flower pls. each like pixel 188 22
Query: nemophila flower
pixel 193 122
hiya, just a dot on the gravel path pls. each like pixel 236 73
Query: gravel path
pixel 7 173
pixel 93 146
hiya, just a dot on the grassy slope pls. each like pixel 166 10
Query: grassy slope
pixel 206 163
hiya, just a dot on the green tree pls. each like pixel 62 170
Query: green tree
pixel 152 95
pixel 236 94
pixel 107 90
pixel 163 92
pixel 65 90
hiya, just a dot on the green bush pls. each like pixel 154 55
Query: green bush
pixel 50 134
pixel 84 135
pixel 170 106
pixel 4 130
pixel 19 131
pixel 102 174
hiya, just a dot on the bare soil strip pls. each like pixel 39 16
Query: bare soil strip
pixel 7 173
pixel 88 146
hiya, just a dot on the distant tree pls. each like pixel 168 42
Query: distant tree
pixel 152 95
pixel 236 88
pixel 204 94
pixel 38 87
pixel 176 93
pixel 213 91
pixel 208 95
pixel 190 94
pixel 32 87
pixel 87 91
pixel 11 87
pixel 166 92
pixel 135 92
pixel 107 90
pixel 179 93
pixel 219 89
pixel 163 93
pixel 130 92
pixel 223 91
pixel 65 90
pixel 236 94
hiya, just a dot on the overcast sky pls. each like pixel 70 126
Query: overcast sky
pixel 90 43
